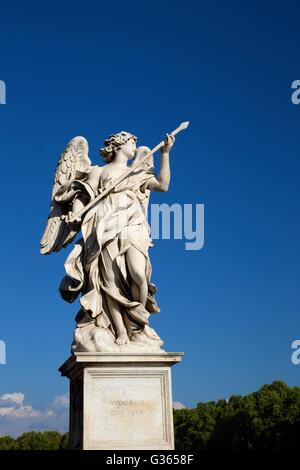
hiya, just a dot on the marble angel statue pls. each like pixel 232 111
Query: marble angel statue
pixel 109 266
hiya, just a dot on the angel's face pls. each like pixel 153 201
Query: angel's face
pixel 129 148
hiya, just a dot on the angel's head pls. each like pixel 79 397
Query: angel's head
pixel 115 142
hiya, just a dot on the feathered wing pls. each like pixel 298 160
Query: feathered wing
pixel 74 159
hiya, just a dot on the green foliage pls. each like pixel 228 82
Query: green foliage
pixel 7 443
pixel 64 443
pixel 266 419
pixel 48 440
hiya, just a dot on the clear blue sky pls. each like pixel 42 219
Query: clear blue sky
pixel 91 68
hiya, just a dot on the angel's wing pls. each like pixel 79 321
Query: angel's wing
pixel 74 159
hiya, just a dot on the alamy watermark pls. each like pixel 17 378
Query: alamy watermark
pixel 295 357
pixel 159 221
pixel 2 352
pixel 188 223
pixel 2 92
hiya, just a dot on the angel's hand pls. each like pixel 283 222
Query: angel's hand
pixel 168 143
pixel 71 218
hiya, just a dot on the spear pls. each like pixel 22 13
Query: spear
pixel 121 178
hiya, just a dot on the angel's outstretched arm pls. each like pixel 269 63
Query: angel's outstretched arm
pixel 162 181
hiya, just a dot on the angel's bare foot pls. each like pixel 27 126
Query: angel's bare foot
pixel 122 338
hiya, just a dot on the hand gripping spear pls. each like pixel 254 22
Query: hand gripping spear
pixel 118 180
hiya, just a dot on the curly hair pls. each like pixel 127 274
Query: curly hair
pixel 113 143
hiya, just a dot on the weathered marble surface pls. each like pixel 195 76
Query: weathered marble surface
pixel 121 401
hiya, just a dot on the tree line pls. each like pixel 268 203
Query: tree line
pixel 268 419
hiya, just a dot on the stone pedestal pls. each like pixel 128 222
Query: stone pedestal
pixel 120 401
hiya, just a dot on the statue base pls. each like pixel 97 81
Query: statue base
pixel 120 400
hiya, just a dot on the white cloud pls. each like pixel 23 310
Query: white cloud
pixel 62 401
pixel 17 417
pixel 17 398
pixel 19 412
pixel 178 406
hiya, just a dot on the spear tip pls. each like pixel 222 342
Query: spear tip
pixel 184 124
